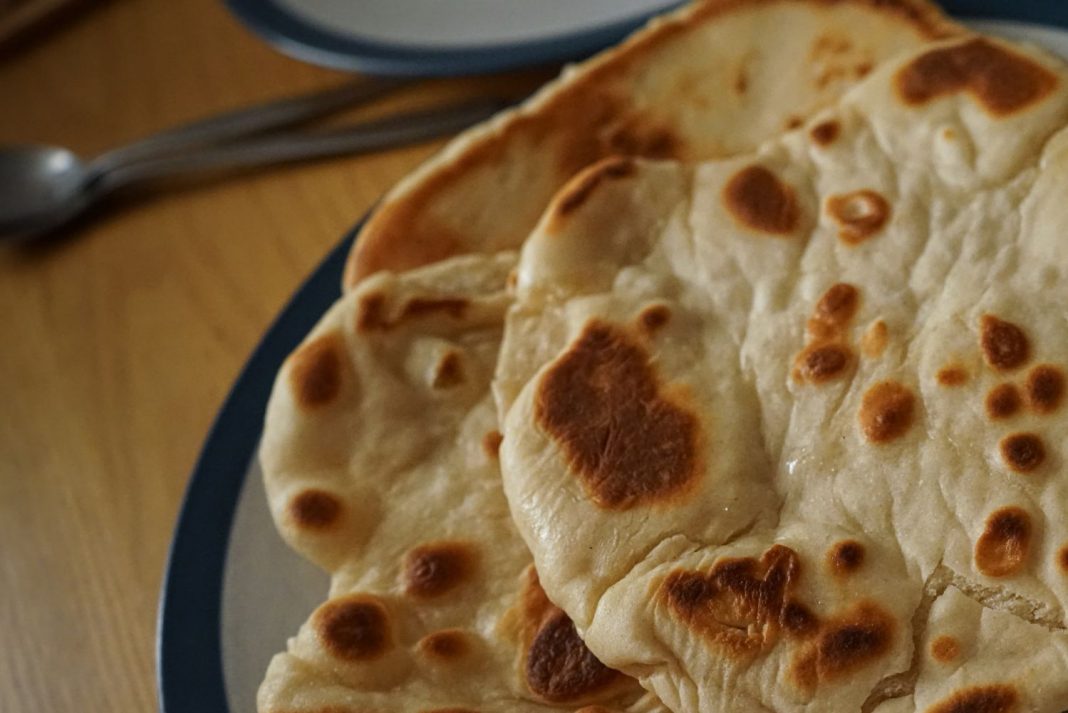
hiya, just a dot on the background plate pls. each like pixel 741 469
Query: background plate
pixel 234 592
pixel 449 37
pixel 431 37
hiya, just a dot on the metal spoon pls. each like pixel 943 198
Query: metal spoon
pixel 43 187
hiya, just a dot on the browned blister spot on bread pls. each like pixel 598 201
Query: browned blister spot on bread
pixel 875 339
pixel 354 628
pixel 1005 346
pixel 818 363
pixel 1005 545
pixel 1045 388
pixel 887 411
pixel 760 201
pixel 491 443
pixel 741 81
pixel 945 649
pixel 445 646
pixel 834 311
pixel 436 568
pixel 448 372
pixel 827 356
pixel 846 644
pixel 654 317
pixel 314 509
pixel 1062 559
pixel 559 666
pixel 952 375
pixel 578 191
pixel 1023 452
pixel 997 698
pixel 740 605
pixel 859 214
pixel 1003 401
pixel 1002 81
pixel 825 132
pixel 799 621
pixel 371 312
pixel 846 557
pixel 622 437
pixel 316 371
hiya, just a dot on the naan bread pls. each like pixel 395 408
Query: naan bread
pixel 371 449
pixel 972 658
pixel 752 407
pixel 380 458
pixel 711 80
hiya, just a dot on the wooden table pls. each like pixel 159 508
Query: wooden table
pixel 120 343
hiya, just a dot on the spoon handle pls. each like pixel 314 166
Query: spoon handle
pixel 248 121
pixel 279 148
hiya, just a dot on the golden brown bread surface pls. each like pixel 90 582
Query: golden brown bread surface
pixel 380 460
pixel 714 79
pixel 755 410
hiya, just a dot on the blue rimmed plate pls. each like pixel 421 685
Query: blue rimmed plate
pixel 233 591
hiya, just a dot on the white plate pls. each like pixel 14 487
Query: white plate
pixel 435 37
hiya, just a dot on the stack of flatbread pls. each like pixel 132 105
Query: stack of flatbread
pixel 725 374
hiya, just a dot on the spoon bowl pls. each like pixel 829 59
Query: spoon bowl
pixel 41 187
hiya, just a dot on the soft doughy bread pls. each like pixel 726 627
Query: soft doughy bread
pixel 972 658
pixel 380 458
pixel 751 407
pixel 371 445
pixel 711 80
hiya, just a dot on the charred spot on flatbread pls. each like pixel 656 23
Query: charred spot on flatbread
pixel 887 411
pixel 1045 388
pixel 740 605
pixel 760 201
pixel 316 371
pixel 627 442
pixel 1003 401
pixel 1004 547
pixel 847 643
pixel 354 628
pixel 945 649
pixel 860 214
pixel 560 667
pixel 1002 81
pixel 1005 345
pixel 315 510
pixel 998 698
pixel 1023 452
pixel 437 568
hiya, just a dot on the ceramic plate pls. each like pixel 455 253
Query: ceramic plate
pixel 432 37
pixel 233 591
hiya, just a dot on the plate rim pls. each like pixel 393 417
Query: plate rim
pixel 309 41
pixel 189 665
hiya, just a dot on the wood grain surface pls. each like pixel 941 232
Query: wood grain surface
pixel 118 344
